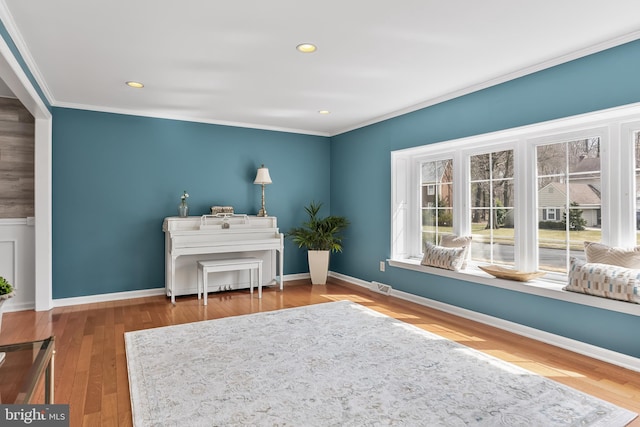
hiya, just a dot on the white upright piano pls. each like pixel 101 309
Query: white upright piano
pixel 192 239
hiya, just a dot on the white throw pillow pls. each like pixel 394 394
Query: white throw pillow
pixel 603 254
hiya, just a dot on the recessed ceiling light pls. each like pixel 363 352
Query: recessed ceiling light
pixel 136 85
pixel 306 48
pixel 324 112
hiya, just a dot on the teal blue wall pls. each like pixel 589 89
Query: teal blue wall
pixel 116 177
pixel 360 187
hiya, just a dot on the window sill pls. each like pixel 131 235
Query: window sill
pixel 539 287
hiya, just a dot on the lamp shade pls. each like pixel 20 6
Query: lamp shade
pixel 262 177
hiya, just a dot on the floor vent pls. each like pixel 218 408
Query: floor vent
pixel 381 288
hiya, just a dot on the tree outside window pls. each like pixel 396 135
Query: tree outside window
pixel 492 203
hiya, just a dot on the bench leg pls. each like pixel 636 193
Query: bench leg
pixel 259 280
pixel 199 274
pixel 205 285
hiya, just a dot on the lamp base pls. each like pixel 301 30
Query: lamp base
pixel 262 211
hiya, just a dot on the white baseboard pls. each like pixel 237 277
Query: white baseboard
pixel 11 306
pixel 350 279
pixel 298 276
pixel 599 353
pixel 116 296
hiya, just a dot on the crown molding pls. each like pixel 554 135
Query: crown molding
pixel 169 116
pixel 599 47
pixel 16 36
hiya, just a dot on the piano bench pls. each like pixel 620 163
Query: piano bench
pixel 235 264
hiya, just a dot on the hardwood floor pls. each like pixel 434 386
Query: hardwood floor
pixel 91 369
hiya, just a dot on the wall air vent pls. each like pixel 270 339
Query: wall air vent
pixel 381 288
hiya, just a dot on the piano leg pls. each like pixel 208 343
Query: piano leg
pixel 281 266
pixel 173 280
pixel 199 279
pixel 259 282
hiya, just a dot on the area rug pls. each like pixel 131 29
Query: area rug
pixel 338 364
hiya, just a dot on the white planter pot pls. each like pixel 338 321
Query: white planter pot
pixel 3 299
pixel 318 266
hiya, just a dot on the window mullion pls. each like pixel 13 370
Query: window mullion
pixel 415 212
pixel 401 206
pixel 620 172
pixel 461 195
pixel 526 208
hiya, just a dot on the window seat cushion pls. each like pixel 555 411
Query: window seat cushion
pixel 604 280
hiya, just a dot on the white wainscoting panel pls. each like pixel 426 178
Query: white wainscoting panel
pixel 17 261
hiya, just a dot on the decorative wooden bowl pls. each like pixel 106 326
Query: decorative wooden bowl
pixel 510 274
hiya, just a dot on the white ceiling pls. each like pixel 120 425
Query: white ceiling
pixel 235 62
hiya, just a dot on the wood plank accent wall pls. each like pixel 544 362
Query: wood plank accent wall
pixel 17 144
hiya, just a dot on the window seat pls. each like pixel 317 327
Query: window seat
pixel 540 287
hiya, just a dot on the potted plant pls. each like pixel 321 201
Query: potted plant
pixel 320 236
pixel 6 292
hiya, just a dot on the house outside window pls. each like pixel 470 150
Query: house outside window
pixel 568 175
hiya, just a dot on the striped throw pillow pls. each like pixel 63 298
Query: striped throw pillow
pixel 453 241
pixel 441 257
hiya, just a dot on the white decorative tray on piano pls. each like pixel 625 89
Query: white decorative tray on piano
pixel 222 220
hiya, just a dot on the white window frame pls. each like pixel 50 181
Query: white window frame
pixel 417 220
pixel 578 133
pixel 615 127
pixel 465 179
